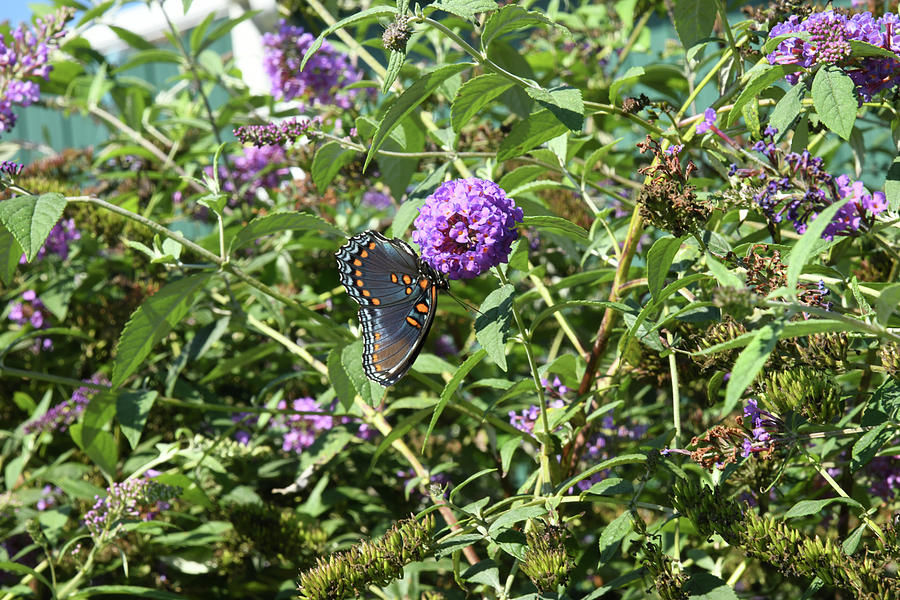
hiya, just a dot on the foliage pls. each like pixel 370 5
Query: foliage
pixel 679 227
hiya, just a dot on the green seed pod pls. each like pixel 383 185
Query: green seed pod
pixel 809 392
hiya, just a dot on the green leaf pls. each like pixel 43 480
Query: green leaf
pixel 868 445
pixel 487 572
pixel 30 219
pixel 796 329
pixel 892 185
pixel 398 431
pixel 283 221
pixel 457 542
pixel 787 110
pixel 725 276
pixel 659 259
pixel 511 517
pixel 14 567
pixel 395 63
pixel 850 545
pixel 632 75
pixel 406 214
pixel 705 586
pixel 351 358
pixel 132 409
pixel 507 450
pixel 887 303
pixel 694 20
pixel 10 252
pixel 884 404
pixel 340 380
pixel 750 361
pixel 760 77
pixel 469 480
pixel 152 321
pixel 861 48
pixel 808 242
pixel 565 104
pixel 772 43
pixel 511 18
pixel 612 536
pixel 539 127
pixel 491 326
pixel 558 225
pixel 474 95
pixel 805 508
pixel 90 436
pixel 411 97
pixel 329 159
pixel 467 9
pixel 451 387
pixel 834 96
pixel 364 15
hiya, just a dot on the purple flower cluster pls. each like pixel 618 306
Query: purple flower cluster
pixel 466 227
pixel 830 34
pixel 553 390
pixel 57 241
pixel 320 82
pixel 59 417
pixel 273 134
pixel 377 199
pixel 762 424
pixel 255 169
pixel 808 189
pixel 884 472
pixel 11 169
pixel 30 310
pixel 604 444
pixel 24 56
pixel 49 497
pixel 138 499
pixel 301 429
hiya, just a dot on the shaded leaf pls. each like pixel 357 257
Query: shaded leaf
pixel 759 78
pixel 694 20
pixel 558 225
pixel 474 95
pixel 30 218
pixel 539 127
pixel 132 409
pixel 750 362
pixel 834 96
pixel 659 259
pixel 451 387
pixel 283 221
pixel 467 9
pixel 564 103
pixel 511 18
pixel 491 326
pixel 329 159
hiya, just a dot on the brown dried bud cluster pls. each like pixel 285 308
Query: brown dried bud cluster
pixel 397 34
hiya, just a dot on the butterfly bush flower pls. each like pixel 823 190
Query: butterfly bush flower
pixel 320 82
pixel 554 390
pixel 377 199
pixel 466 227
pixel 803 188
pixel 25 54
pixel 300 431
pixel 30 310
pixel 830 34
pixel 762 425
pixel 132 500
pixel 708 122
pixel 58 240
pixel 603 445
pixel 59 417
pixel 274 134
pixel 257 168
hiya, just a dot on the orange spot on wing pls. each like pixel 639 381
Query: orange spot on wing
pixel 357 262
pixel 377 335
pixel 366 293
pixel 376 302
pixel 412 322
pixel 422 307
pixel 359 283
pixel 407 279
pixel 374 358
pixel 394 277
pixel 363 254
pixel 423 283
pixel 372 245
pixel 358 273
pixel 408 291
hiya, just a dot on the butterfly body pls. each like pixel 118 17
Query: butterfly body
pixel 397 296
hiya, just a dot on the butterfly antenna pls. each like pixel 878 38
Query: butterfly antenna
pixel 464 304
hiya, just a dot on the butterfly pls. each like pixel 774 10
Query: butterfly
pixel 397 296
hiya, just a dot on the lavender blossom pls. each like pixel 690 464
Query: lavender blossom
pixel 830 34
pixel 59 417
pixel 257 168
pixel 377 199
pixel 466 227
pixel 320 82
pixel 763 425
pixel 708 122
pixel 27 55
pixel 603 444
pixel 274 134
pixel 301 430
pixel 57 241
pixel 128 501
pixel 31 311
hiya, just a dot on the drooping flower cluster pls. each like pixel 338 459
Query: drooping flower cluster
pixel 274 134
pixel 58 240
pixel 257 168
pixel 137 499
pixel 27 55
pixel 59 417
pixel 322 80
pixel 50 495
pixel 830 34
pixel 377 199
pixel 807 189
pixel 762 425
pixel 11 169
pixel 466 227
pixel 708 122
pixel 301 430
pixel 31 310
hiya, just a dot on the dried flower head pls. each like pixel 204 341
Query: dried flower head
pixel 397 34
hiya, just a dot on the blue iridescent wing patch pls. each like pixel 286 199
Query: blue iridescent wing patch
pixel 397 296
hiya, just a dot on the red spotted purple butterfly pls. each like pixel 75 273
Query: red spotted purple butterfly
pixel 397 296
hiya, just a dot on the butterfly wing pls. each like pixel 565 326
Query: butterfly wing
pixel 397 299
